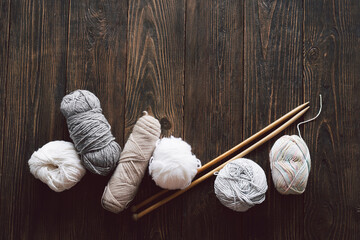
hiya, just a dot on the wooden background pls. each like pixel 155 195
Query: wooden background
pixel 213 72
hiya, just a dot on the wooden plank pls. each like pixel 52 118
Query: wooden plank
pixel 213 107
pixel 97 55
pixel 155 79
pixel 331 68
pixel 272 87
pixel 97 62
pixel 4 51
pixel 214 72
pixel 35 82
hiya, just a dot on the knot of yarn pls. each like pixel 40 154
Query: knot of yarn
pixel 241 184
pixel 290 164
pixel 90 132
pixel 124 182
pixel 57 164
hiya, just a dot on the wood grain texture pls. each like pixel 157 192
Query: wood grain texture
pixel 213 106
pixel 155 79
pixel 155 67
pixel 35 83
pixel 97 55
pixel 4 51
pixel 97 62
pixel 272 87
pixel 331 68
pixel 213 72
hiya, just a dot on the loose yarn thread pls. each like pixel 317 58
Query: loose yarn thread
pixel 290 162
pixel 90 132
pixel 123 185
pixel 173 166
pixel 57 164
pixel 241 184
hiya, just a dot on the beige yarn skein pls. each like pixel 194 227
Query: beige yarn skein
pixel 124 182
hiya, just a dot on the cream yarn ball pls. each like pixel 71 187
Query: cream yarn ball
pixel 173 166
pixel 241 184
pixel 290 164
pixel 57 164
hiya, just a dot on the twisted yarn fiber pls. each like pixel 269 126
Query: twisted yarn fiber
pixel 90 132
pixel 124 182
pixel 290 164
pixel 57 164
pixel 241 184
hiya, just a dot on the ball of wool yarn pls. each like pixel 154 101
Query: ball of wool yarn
pixel 241 184
pixel 124 182
pixel 90 132
pixel 57 164
pixel 173 166
pixel 290 164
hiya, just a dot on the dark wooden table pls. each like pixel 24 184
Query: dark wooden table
pixel 214 73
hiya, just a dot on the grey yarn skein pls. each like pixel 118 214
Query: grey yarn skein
pixel 90 132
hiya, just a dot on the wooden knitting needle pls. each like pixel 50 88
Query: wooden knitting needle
pixel 209 174
pixel 227 153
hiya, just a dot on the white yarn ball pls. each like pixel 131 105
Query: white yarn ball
pixel 57 164
pixel 173 166
pixel 241 184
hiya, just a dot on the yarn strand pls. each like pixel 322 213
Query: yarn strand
pixel 290 162
pixel 312 119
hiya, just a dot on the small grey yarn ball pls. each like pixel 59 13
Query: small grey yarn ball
pixel 90 132
pixel 241 184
